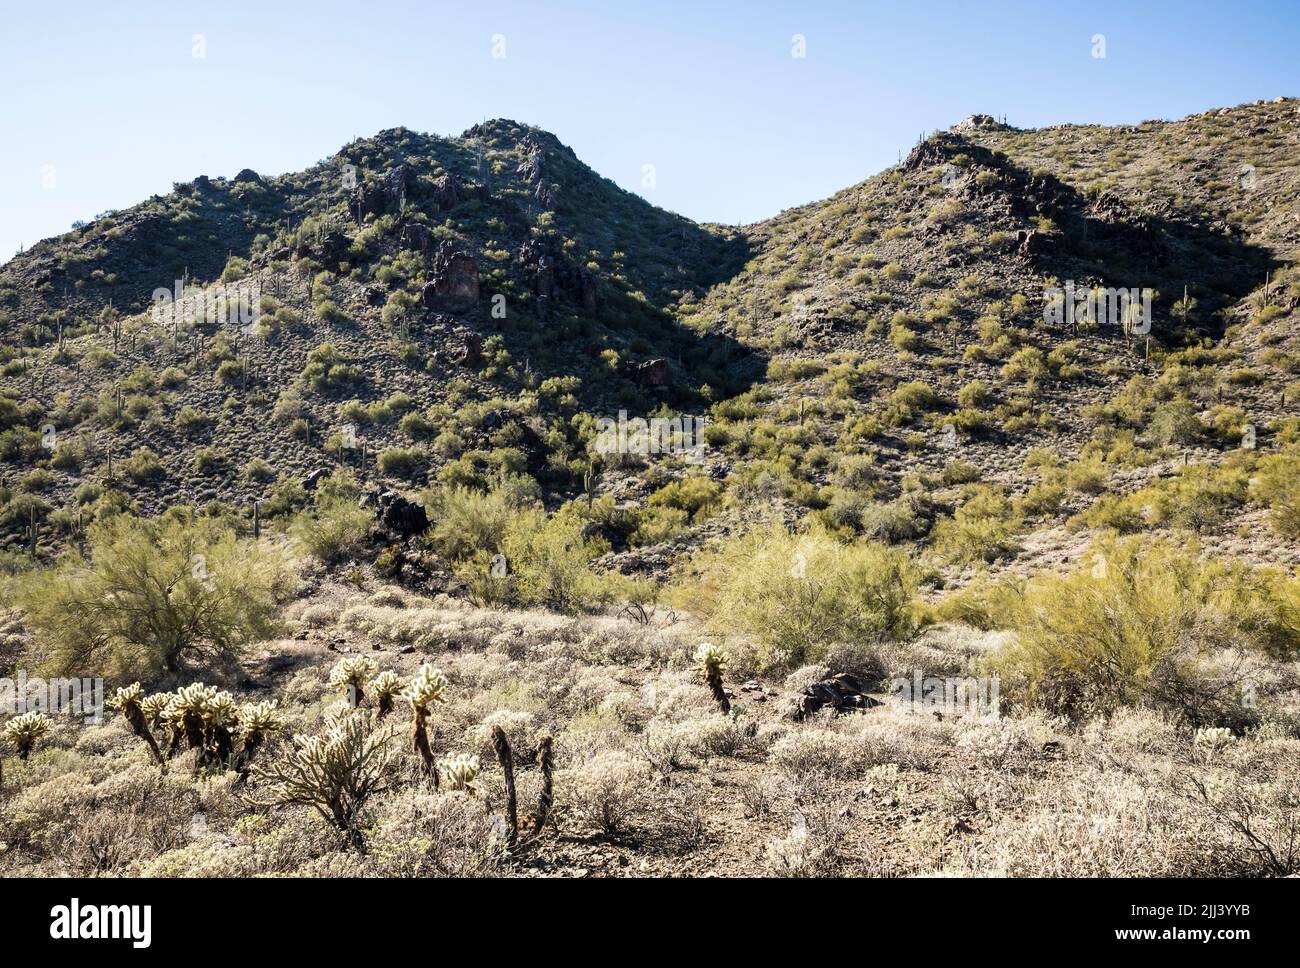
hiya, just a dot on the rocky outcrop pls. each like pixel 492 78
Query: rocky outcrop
pixel 455 285
pixel 415 237
pixel 382 196
pixel 652 373
pixel 396 515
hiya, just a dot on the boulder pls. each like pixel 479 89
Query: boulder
pixel 843 693
pixel 415 237
pixel 315 477
pixel 400 517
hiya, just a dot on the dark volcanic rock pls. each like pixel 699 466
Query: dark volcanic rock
pixel 455 286
pixel 842 693
pixel 400 517
pixel 653 373
pixel 315 477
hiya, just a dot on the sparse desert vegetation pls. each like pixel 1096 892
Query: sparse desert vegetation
pixel 530 529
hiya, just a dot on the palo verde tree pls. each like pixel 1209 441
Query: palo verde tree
pixel 153 597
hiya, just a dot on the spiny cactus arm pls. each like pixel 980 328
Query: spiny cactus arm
pixel 129 702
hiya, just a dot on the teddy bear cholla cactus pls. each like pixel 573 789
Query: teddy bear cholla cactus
pixel 335 773
pixel 23 731
pixel 129 701
pixel 709 660
pixel 155 709
pixel 426 689
pixel 459 772
pixel 256 722
pixel 205 718
pixel 353 674
pixel 386 687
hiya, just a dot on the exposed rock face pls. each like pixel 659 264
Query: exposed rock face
pixel 842 693
pixel 447 192
pixel 248 175
pixel 455 286
pixel 653 373
pixel 398 516
pixel 415 236
pixel 975 122
pixel 333 248
pixel 555 277
pixel 388 194
pixel 532 170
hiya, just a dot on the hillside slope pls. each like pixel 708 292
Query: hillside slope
pixel 458 309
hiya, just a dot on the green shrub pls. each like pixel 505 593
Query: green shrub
pixel 334 530
pixel 550 560
pixel 401 461
pixel 796 595
pixel 153 597
pixel 981 530
pixel 1138 622
pixel 468 522
pixel 143 465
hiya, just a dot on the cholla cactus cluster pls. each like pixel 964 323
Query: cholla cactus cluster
pixel 352 675
pixel 260 720
pixel 23 731
pixel 459 772
pixel 710 660
pixel 127 696
pixel 199 717
pixel 130 702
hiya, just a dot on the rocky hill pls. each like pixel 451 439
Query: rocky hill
pixel 458 309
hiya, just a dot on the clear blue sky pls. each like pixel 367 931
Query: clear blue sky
pixel 708 92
